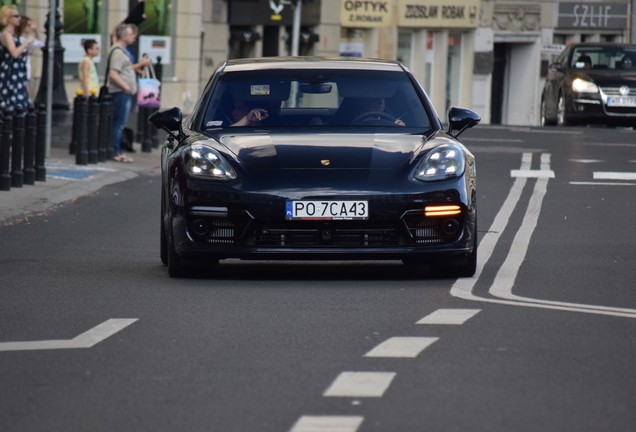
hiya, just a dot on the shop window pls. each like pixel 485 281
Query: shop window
pixel 405 48
pixel 87 19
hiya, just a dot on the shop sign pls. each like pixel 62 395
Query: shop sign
pixel 552 48
pixel 366 13
pixel 596 16
pixel 270 13
pixel 438 13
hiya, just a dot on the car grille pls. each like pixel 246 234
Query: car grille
pixel 615 91
pixel 326 235
pixel 219 230
pixel 436 230
pixel 243 229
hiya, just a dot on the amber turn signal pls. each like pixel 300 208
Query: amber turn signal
pixel 442 210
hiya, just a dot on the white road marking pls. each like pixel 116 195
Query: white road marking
pixel 360 384
pixel 327 424
pixel 463 287
pixel 84 340
pixel 603 175
pixel 505 279
pixel 601 183
pixel 500 140
pixel 587 161
pixel 402 347
pixel 449 316
pixel 606 144
pixel 532 173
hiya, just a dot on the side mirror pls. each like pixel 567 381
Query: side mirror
pixel 460 119
pixel 168 119
pixel 557 67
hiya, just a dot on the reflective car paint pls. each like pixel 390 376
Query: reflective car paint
pixel 209 220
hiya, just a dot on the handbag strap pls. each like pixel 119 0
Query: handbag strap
pixel 149 70
pixel 110 54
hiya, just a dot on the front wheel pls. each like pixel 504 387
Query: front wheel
pixel 562 113
pixel 545 121
pixel 163 242
pixel 468 268
pixel 175 264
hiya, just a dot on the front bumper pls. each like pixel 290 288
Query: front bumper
pixel 253 227
pixel 596 108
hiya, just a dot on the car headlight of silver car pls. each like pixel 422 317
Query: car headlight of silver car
pixel 441 163
pixel 582 86
pixel 204 161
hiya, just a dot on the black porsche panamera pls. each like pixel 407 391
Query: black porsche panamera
pixel 316 158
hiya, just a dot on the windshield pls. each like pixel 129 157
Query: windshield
pixel 613 58
pixel 313 98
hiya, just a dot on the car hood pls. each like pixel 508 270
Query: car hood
pixel 611 78
pixel 320 150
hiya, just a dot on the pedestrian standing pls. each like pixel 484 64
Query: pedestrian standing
pixel 28 28
pixel 13 74
pixel 89 80
pixel 122 85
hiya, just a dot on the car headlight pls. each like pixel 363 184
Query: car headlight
pixel 204 161
pixel 443 162
pixel 581 86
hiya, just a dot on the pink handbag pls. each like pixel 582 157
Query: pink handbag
pixel 149 94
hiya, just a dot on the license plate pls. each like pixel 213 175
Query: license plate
pixel 327 210
pixel 622 101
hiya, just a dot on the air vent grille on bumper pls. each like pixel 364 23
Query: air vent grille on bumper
pixel 433 230
pixel 327 235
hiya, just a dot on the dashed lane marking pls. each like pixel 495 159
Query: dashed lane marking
pixel 587 161
pixel 402 347
pixel 449 316
pixel 500 140
pixel 583 183
pixel 604 175
pixel 327 424
pixel 360 384
pixel 532 173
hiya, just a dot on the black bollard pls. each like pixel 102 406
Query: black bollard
pixel 81 152
pixel 29 148
pixel 110 152
pixel 154 133
pixel 5 154
pixel 141 118
pixel 146 144
pixel 40 144
pixel 105 125
pixel 17 147
pixel 92 126
pixel 72 146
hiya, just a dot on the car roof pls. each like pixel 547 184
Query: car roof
pixel 602 45
pixel 347 63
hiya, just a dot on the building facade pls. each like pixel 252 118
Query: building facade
pixel 488 55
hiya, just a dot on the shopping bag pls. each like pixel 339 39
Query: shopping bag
pixel 149 94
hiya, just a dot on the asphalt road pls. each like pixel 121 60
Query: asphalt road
pixel 95 336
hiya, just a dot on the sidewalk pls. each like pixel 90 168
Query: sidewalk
pixel 66 181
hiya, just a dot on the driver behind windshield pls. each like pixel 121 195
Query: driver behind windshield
pixel 245 114
pixel 373 108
